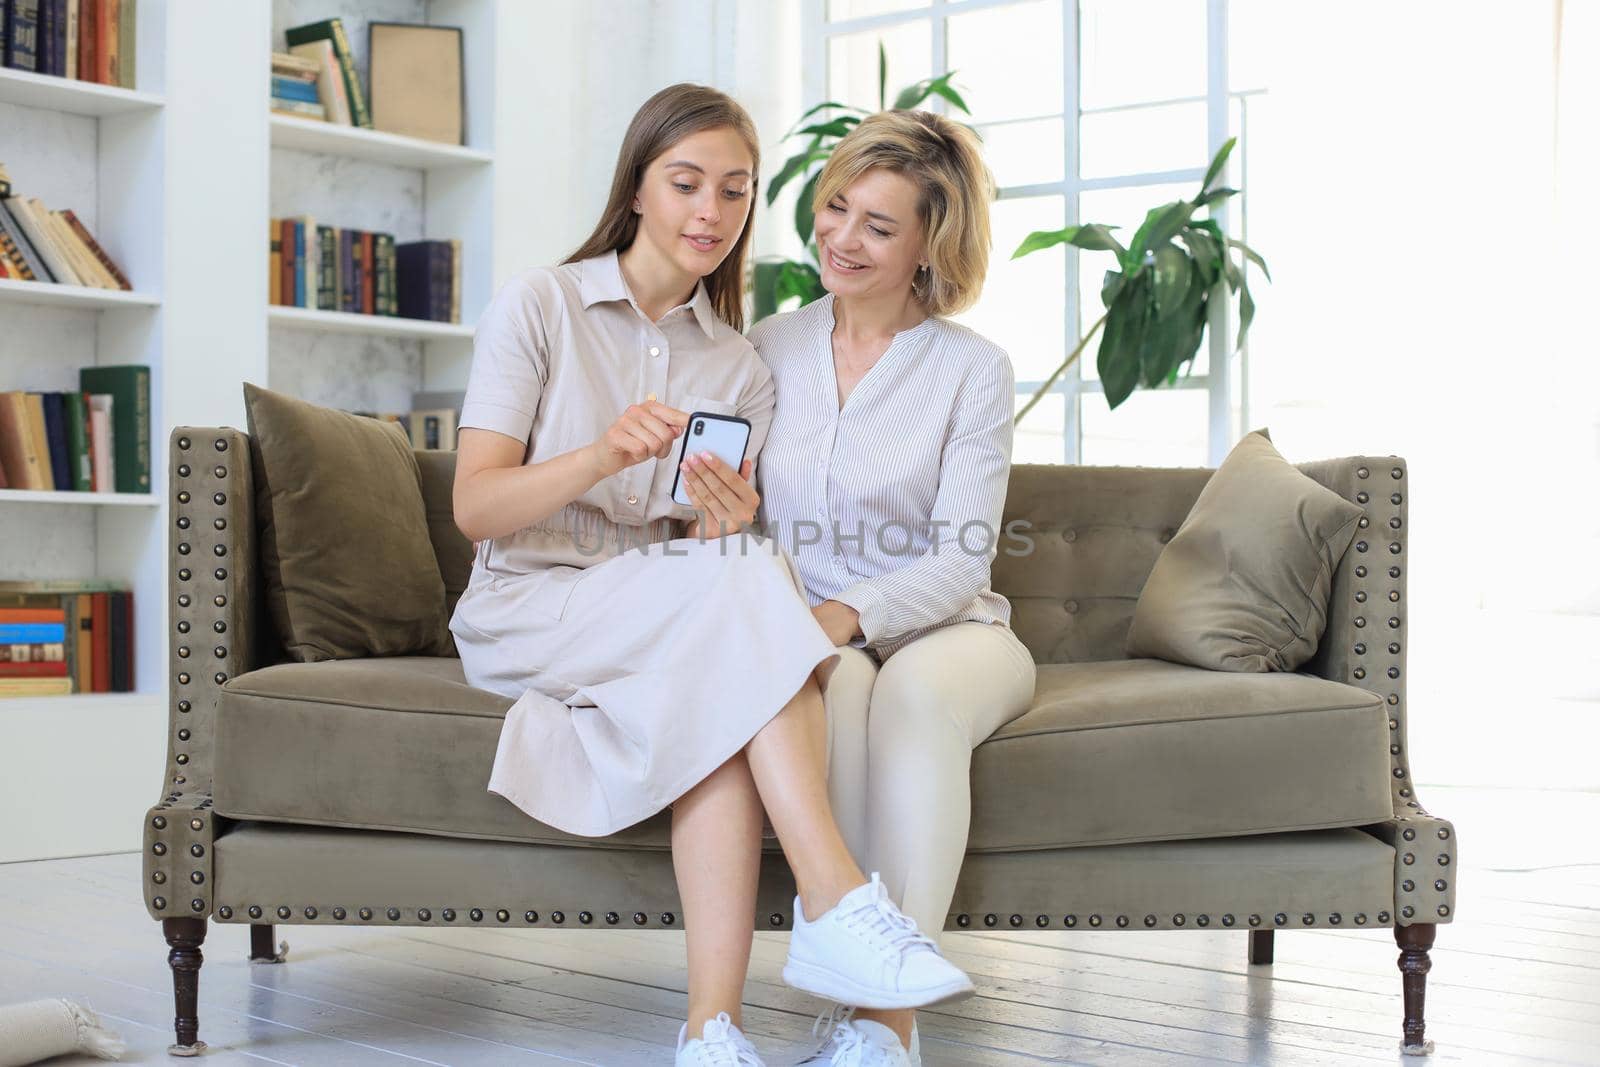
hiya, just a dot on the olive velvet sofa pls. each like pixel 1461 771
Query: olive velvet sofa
pixel 1134 795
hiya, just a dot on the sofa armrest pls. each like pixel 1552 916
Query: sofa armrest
pixel 213 582
pixel 1365 645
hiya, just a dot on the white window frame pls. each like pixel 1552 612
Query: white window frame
pixel 1072 386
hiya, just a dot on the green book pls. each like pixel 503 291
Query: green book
pixel 333 30
pixel 78 457
pixel 129 386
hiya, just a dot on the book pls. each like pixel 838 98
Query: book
pixel 27 633
pixel 423 280
pixel 333 30
pixel 300 109
pixel 129 386
pixel 38 431
pixel 83 674
pixel 13 228
pixel 88 269
pixel 294 89
pixel 274 261
pixel 73 11
pixel 330 78
pixel 55 428
pixel 435 428
pixel 23 211
pixel 415 74
pixel 455 280
pixel 17 450
pixel 368 274
pixel 327 268
pixel 76 418
pixel 122 641
pixel 100 642
pixel 22 35
pixel 100 443
pixel 112 66
pixel 119 280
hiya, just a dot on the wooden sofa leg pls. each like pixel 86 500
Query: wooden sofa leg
pixel 1261 946
pixel 261 945
pixel 185 937
pixel 1414 942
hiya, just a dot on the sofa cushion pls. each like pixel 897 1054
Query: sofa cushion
pixel 1121 751
pixel 347 564
pixel 1243 585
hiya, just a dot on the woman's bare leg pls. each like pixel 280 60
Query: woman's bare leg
pixel 899 1021
pixel 716 855
pixel 786 759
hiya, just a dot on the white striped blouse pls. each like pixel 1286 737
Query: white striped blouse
pixel 892 503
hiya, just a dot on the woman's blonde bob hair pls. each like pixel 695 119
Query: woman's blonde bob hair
pixel 944 160
pixel 668 117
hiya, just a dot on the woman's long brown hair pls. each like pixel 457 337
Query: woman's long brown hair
pixel 669 116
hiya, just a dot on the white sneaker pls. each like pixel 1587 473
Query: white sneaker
pixel 856 1042
pixel 865 951
pixel 829 1021
pixel 721 1044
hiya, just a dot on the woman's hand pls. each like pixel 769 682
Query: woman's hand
pixel 642 431
pixel 839 621
pixel 726 501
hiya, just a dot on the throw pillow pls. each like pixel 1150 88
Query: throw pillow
pixel 347 564
pixel 1243 585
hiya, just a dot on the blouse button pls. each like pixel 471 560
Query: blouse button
pixel 633 498
pixel 654 351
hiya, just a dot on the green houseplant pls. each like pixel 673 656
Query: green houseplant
pixel 1158 299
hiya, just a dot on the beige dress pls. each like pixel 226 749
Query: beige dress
pixel 641 659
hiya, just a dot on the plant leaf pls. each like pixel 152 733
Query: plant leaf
pixel 916 93
pixel 1171 272
pixel 1247 312
pixel 883 74
pixel 1111 286
pixel 825 105
pixel 1160 225
pixel 804 219
pixel 1118 359
pixel 1250 253
pixel 1222 192
pixel 794 165
pixel 1093 236
pixel 1206 253
pixel 1217 162
pixel 833 127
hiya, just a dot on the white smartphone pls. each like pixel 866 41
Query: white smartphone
pixel 724 436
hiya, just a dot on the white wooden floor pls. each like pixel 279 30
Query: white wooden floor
pixel 1516 978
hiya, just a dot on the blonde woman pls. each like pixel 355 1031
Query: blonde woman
pixel 884 477
pixel 659 655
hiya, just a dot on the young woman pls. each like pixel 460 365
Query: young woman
pixel 659 654
pixel 884 476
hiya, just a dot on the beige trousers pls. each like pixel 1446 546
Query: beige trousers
pixel 900 741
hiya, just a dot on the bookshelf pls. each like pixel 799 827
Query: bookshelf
pixel 103 152
pixel 178 178
pixel 414 189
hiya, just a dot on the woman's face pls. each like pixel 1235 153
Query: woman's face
pixel 694 199
pixel 869 237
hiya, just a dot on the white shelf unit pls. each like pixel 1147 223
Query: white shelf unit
pixel 371 180
pixel 102 152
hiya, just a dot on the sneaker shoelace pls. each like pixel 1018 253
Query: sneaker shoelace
pixel 886 924
pixel 723 1047
pixel 848 1045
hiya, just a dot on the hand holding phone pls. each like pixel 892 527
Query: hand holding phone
pixel 713 476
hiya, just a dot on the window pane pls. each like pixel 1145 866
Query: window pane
pixel 1025 153
pixel 1041 437
pixel 1168 137
pixel 839 10
pixel 853 62
pixel 1139 50
pixel 1021 309
pixel 1008 60
pixel 1125 209
pixel 1153 428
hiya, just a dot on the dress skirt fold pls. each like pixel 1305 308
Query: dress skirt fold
pixel 638 676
